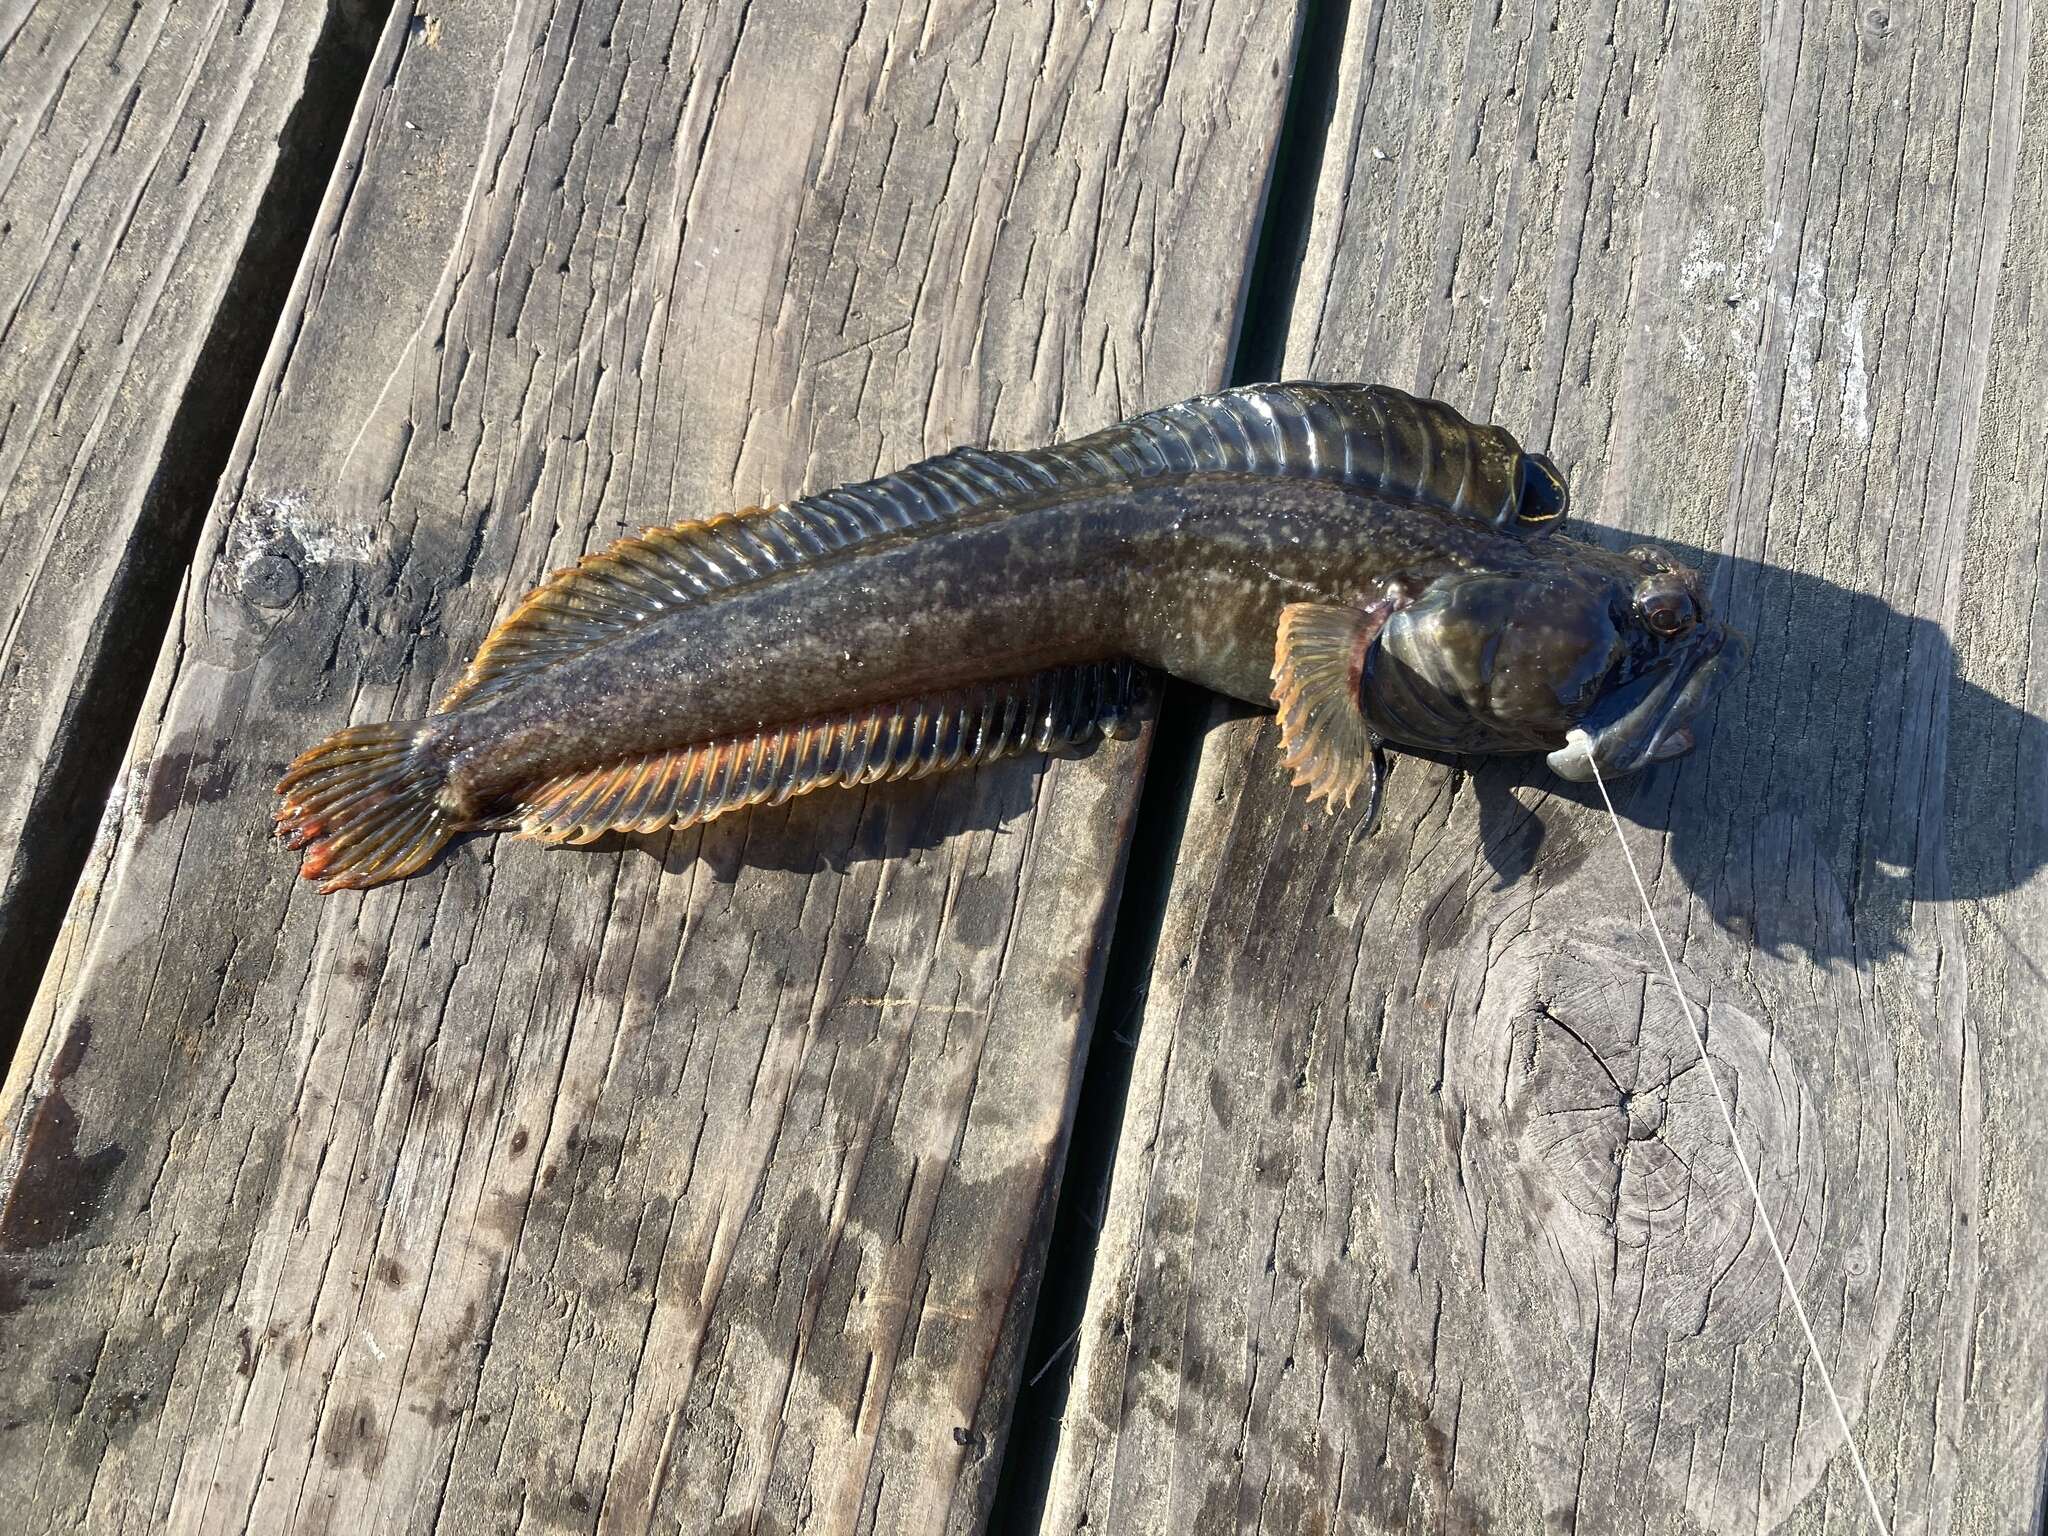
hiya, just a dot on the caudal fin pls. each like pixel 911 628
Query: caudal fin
pixel 365 805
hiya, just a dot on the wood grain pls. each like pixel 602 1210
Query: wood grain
pixel 148 157
pixel 1422 1219
pixel 1993 846
pixel 693 1186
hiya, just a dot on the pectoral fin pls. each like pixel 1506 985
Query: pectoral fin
pixel 1318 661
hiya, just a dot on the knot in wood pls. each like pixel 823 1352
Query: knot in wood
pixel 1617 1137
pixel 271 581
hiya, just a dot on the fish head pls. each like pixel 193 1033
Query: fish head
pixel 1621 647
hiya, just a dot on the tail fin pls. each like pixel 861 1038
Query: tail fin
pixel 365 804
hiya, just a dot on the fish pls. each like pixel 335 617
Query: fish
pixel 1370 565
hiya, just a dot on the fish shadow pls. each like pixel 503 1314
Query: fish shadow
pixel 1851 721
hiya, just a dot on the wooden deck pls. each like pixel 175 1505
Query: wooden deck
pixel 1102 1144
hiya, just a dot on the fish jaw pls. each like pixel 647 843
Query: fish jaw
pixel 1650 719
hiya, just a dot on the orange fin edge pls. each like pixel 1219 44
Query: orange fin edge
pixel 1059 708
pixel 365 807
pixel 1319 656
pixel 595 597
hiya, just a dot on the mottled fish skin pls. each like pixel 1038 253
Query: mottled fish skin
pixel 984 602
pixel 1188 576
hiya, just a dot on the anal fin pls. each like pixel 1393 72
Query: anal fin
pixel 1045 711
pixel 1319 655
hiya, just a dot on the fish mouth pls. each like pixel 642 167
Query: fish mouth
pixel 1650 719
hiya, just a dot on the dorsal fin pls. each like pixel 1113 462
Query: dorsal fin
pixel 1043 712
pixel 1366 435
pixel 1369 436
pixel 621 587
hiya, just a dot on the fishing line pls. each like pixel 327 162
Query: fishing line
pixel 1699 1039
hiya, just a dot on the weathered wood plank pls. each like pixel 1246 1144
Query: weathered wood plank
pixel 149 164
pixel 1423 1218
pixel 1994 848
pixel 698 1186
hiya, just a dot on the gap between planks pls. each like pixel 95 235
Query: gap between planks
pixel 1272 287
pixel 80 774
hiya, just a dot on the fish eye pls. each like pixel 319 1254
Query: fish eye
pixel 1666 608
